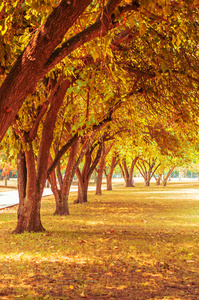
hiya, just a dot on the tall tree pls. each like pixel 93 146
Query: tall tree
pixel 33 174
pixel 48 48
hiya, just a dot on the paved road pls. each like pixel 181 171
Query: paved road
pixel 11 198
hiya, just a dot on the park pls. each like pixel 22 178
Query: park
pixel 129 243
pixel 99 107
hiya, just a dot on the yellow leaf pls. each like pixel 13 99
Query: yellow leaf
pixel 71 287
pixel 143 29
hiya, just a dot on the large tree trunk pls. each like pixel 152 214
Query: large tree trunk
pixel 129 182
pixel 29 208
pixel 147 176
pixel 29 195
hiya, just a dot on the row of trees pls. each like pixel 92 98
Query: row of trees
pixel 81 78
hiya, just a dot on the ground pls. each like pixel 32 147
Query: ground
pixel 130 243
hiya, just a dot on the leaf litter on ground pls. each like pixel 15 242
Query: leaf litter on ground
pixel 129 243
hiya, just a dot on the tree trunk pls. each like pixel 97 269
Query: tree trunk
pixel 109 176
pixel 148 176
pixel 83 192
pixel 129 182
pixel 158 179
pixel 61 196
pixel 22 175
pixel 95 176
pixel 82 196
pixel 29 195
pixel 84 176
pixel 99 182
pixel 62 208
pixel 125 172
pixel 59 209
pixel 165 178
pixel 82 184
pixel 128 174
pixel 109 183
pixel 164 181
pixel 147 182
pixel 147 173
pixel 100 176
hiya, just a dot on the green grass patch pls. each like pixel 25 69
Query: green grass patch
pixel 129 243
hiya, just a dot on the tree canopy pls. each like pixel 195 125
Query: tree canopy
pixel 84 73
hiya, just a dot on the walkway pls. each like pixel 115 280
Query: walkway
pixel 11 198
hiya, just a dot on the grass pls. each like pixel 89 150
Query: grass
pixel 129 243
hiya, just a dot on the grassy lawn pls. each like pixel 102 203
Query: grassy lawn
pixel 129 243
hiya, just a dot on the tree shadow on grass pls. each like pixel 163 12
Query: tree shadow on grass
pixel 78 278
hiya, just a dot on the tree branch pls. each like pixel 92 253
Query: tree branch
pixel 104 22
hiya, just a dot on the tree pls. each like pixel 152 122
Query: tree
pixel 108 170
pixel 146 61
pixel 101 165
pixel 62 193
pixel 147 169
pixel 90 162
pixel 128 172
pixel 32 174
pixel 42 52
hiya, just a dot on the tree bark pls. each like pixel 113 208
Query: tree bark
pixel 29 205
pixel 166 177
pixel 158 179
pixel 147 180
pixel 72 165
pixel 63 208
pixel 100 176
pixel 82 192
pixel 101 167
pixel 29 67
pixel 43 53
pixel 84 176
pixel 125 172
pixel 109 185
pixel 83 182
pixel 29 195
pixel 128 174
pixel 54 188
